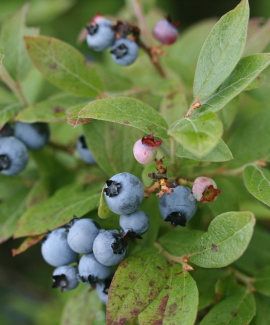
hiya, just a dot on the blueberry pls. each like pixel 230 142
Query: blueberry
pixel 84 152
pixel 137 222
pixel 81 235
pixel 205 189
pixel 34 135
pixel 178 207
pixel 55 249
pixel 13 156
pixel 145 149
pixel 124 51
pixel 91 271
pixel 123 193
pixel 165 32
pixel 109 247
pixel 6 131
pixel 65 278
pixel 103 289
pixel 100 35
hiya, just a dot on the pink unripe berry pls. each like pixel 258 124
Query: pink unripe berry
pixel 205 189
pixel 165 32
pixel 145 149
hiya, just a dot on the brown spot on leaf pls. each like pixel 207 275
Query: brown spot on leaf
pixel 126 122
pixel 234 313
pixel 53 66
pixel 58 109
pixel 159 267
pixel 172 309
pixel 214 248
pixel 152 283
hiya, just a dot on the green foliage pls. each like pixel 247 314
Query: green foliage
pixel 215 271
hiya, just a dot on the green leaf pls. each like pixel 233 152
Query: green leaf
pixel 228 112
pixel 8 111
pixel 127 111
pixel 27 243
pixel 59 209
pixel 239 309
pixel 257 139
pixel 73 115
pixel 39 192
pixel 221 152
pixel 198 134
pixel 221 51
pixel 63 66
pixel 50 110
pixel 179 241
pixel 136 283
pixel 112 146
pixel 16 60
pixel 244 73
pixel 257 182
pixel 173 106
pixel 229 198
pixel 256 257
pixel 262 316
pixel 206 280
pixel 82 307
pixel 11 211
pixel 177 303
pixel 227 238
pixel 1 57
pixel 262 281
pixel 258 41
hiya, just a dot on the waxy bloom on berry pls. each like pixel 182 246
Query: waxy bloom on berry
pixel 205 189
pixel 145 149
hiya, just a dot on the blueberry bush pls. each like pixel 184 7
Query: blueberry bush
pixel 164 132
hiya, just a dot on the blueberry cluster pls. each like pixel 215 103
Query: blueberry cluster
pixel 102 34
pixel 15 142
pixel 101 248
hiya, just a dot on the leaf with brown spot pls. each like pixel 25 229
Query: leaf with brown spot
pixel 177 303
pixel 82 307
pixel 237 309
pixel 130 292
pixel 63 66
pixel 27 243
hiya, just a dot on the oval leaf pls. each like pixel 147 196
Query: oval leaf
pixel 82 307
pixel 136 283
pixel 257 181
pixel 63 66
pixel 198 134
pixel 128 111
pixel 177 303
pixel 221 51
pixel 235 310
pixel 227 238
pixel 244 73
pixel 58 209
pixel 221 152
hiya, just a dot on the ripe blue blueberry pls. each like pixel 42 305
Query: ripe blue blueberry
pixel 6 131
pixel 81 235
pixel 100 35
pixel 124 51
pixel 91 271
pixel 84 152
pixel 178 207
pixel 65 278
pixel 123 193
pixel 109 247
pixel 34 135
pixel 55 249
pixel 137 222
pixel 13 156
pixel 103 289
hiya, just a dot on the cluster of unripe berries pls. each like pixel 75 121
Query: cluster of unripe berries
pixel 123 38
pixel 15 143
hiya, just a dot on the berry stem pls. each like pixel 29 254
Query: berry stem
pixel 248 281
pixel 195 105
pixel 13 85
pixel 140 17
pixel 175 259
